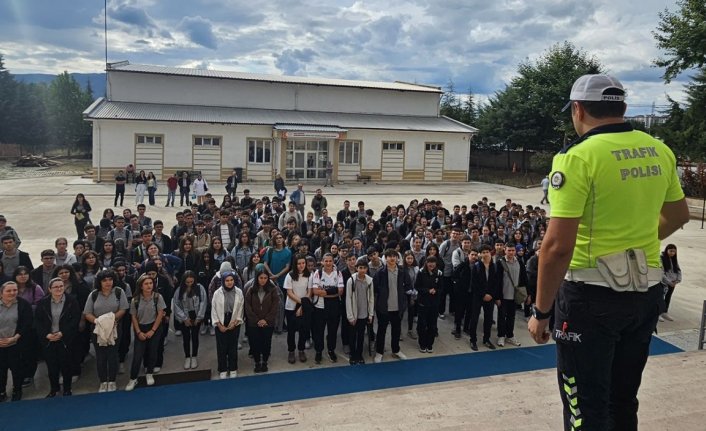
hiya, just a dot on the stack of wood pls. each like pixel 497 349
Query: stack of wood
pixel 35 162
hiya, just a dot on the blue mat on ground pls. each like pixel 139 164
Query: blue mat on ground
pixel 188 398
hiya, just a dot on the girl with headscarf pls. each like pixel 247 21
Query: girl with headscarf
pixel 227 317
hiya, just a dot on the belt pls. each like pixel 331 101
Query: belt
pixel 593 276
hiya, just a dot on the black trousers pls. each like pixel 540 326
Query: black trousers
pixel 184 195
pixel 668 291
pixel 506 318
pixel 80 225
pixel 357 338
pixel 227 349
pixel 345 324
pixel 295 324
pixel 126 339
pixel 462 316
pixel 261 342
pixel 447 290
pixel 190 340
pixel 394 319
pixel 411 313
pixel 603 339
pixel 477 304
pixel 106 362
pixel 426 325
pixel 78 348
pixel 10 359
pixel 58 359
pixel 30 353
pixel 145 350
pixel 119 193
pixel 326 319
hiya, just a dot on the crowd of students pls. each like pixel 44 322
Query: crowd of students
pixel 244 269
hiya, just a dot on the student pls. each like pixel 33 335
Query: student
pixel 16 324
pixel 105 306
pixel 56 324
pixel 11 257
pixel 484 288
pixel 227 317
pixel 360 309
pixel 32 293
pixel 511 274
pixel 672 277
pixel 391 283
pixel 81 210
pixel 296 284
pixel 428 284
pixel 327 287
pixel 140 187
pixel 262 303
pixel 119 188
pixel 409 264
pixel 189 308
pixel 147 311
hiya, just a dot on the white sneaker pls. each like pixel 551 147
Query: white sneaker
pixel 240 346
pixel 512 341
pixel 194 363
pixel 212 330
pixel 177 332
pixel 203 330
pixel 131 385
pixel 307 344
pixel 103 387
pixel 430 350
pixel 223 375
pixel 501 341
pixel 74 379
pixel 399 355
pixel 121 368
pixel 112 387
pixel 150 379
pixel 156 370
pixel 422 350
pixel 233 374
pixel 378 358
pixel 166 341
pixel 666 316
pixel 187 363
pixel 661 319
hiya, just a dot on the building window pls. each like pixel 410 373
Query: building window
pixel 149 139
pixel 393 146
pixel 259 151
pixel 213 141
pixel 434 146
pixel 349 152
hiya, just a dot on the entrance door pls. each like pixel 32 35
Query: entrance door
pixel 433 161
pixel 306 160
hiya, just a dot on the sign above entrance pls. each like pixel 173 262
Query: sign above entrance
pixel 307 134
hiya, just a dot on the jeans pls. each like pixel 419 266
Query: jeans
pixel 227 349
pixel 190 339
pixel 106 362
pixel 171 194
pixel 149 346
pixel 119 194
pixel 477 304
pixel 184 196
pixel 506 318
pixel 151 191
pixel 394 319
pixel 603 339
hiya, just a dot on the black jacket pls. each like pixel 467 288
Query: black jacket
pixel 382 292
pixel 24 259
pixel 483 284
pixel 68 322
pixel 24 320
pixel 424 283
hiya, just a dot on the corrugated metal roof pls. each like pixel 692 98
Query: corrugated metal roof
pixel 221 74
pixel 309 128
pixel 212 114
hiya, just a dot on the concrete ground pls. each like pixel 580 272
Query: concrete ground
pixel 38 208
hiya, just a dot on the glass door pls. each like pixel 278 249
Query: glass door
pixel 306 160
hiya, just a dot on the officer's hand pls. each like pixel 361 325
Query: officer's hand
pixel 539 330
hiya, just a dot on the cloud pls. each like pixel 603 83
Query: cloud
pixel 294 61
pixel 200 31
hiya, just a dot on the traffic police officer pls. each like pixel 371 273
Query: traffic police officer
pixel 615 194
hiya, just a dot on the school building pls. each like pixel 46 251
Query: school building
pixel 169 119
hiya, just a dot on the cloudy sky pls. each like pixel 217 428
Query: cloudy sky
pixel 477 44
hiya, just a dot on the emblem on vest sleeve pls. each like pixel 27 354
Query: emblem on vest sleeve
pixel 557 179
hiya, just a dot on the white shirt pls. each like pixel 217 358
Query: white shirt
pixel 299 287
pixel 335 278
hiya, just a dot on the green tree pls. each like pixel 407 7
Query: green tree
pixel 682 35
pixel 65 104
pixel 527 115
pixel 8 97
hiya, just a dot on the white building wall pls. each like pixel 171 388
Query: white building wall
pixel 184 90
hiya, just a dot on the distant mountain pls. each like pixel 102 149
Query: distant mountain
pixel 97 80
